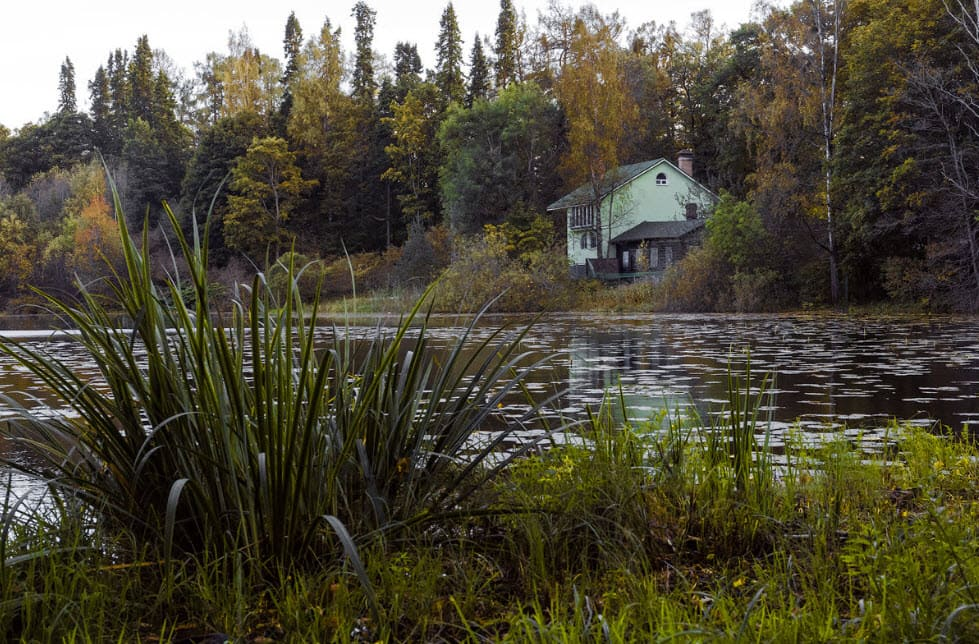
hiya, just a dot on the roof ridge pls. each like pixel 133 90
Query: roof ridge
pixel 617 176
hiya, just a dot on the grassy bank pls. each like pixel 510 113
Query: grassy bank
pixel 638 539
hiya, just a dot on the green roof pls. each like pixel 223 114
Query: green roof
pixel 613 179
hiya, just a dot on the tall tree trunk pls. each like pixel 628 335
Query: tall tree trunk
pixel 596 186
pixel 828 72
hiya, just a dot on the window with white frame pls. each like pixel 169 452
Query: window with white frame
pixel 661 179
pixel 582 216
pixel 589 240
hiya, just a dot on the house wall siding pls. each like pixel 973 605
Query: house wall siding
pixel 638 201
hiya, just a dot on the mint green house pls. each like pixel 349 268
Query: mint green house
pixel 646 216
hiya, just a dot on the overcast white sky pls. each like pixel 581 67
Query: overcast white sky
pixel 36 35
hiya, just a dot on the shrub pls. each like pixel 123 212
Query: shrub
pixel 698 283
pixel 418 263
pixel 483 267
pixel 758 290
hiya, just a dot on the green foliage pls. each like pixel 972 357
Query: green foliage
pixel 152 144
pixel 418 263
pixel 146 163
pixel 364 84
pixel 414 152
pixel 140 82
pixel 909 210
pixel 67 103
pixel 204 190
pixel 507 47
pixel 448 59
pixel 62 141
pixel 733 270
pixel 479 74
pixel 737 234
pixel 891 159
pixel 499 157
pixel 266 185
pixel 641 531
pixel 15 253
pixel 407 69
pixel 327 130
pixel 583 505
pixel 292 44
pixel 99 107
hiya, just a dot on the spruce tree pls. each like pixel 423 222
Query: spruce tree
pixel 118 115
pixel 507 48
pixel 479 81
pixel 364 84
pixel 141 81
pixel 99 97
pixel 448 58
pixel 407 69
pixel 116 70
pixel 292 45
pixel 66 88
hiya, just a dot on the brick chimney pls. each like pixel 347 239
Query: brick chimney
pixel 684 161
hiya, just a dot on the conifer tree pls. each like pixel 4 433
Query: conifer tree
pixel 141 81
pixel 292 45
pixel 364 84
pixel 507 48
pixel 99 97
pixel 116 76
pixel 117 70
pixel 479 80
pixel 66 88
pixel 448 58
pixel 407 69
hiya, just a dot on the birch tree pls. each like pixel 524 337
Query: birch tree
pixel 827 19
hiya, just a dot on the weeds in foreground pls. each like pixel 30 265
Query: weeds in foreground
pixel 851 549
pixel 247 432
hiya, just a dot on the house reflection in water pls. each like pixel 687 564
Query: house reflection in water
pixel 632 371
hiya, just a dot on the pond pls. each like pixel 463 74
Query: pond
pixel 827 373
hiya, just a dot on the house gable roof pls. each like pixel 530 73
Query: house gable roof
pixel 619 176
pixel 616 178
pixel 659 230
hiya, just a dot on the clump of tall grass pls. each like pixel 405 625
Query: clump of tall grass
pixel 242 431
pixel 583 503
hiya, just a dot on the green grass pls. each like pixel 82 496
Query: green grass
pixel 608 546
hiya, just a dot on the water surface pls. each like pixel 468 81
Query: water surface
pixel 826 373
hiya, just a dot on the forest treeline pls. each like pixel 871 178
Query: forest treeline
pixel 842 135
